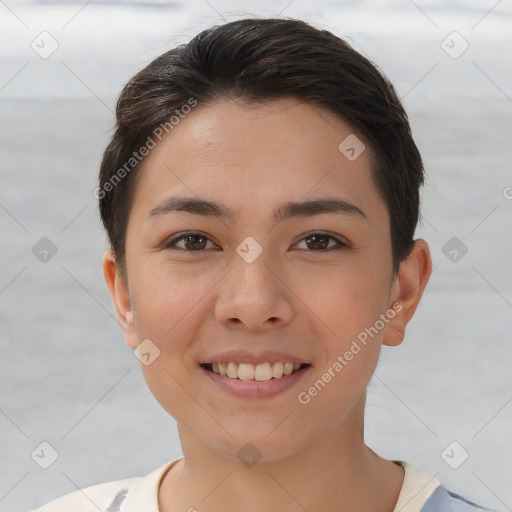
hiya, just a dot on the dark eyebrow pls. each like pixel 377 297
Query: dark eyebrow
pixel 285 211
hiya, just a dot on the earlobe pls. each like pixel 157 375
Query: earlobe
pixel 119 292
pixel 412 279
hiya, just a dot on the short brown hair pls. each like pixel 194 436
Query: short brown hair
pixel 258 60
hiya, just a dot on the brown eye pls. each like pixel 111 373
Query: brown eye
pixel 191 242
pixel 195 242
pixel 319 242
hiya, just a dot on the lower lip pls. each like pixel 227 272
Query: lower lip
pixel 255 388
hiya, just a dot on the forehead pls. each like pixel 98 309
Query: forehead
pixel 250 155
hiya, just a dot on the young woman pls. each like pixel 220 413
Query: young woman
pixel 261 194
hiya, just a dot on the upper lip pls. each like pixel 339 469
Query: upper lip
pixel 245 356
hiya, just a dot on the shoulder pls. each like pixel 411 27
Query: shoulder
pixel 424 493
pixel 129 495
pixel 444 500
pixel 106 496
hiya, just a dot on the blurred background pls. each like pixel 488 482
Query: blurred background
pixel 441 401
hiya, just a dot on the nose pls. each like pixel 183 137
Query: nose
pixel 254 296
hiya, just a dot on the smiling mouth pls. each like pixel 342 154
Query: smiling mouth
pixel 258 372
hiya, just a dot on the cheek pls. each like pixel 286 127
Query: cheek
pixel 350 304
pixel 168 309
pixel 166 301
pixel 351 299
pixel 350 339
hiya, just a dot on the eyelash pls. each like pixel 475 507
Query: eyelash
pixel 170 244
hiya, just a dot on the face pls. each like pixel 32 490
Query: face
pixel 291 263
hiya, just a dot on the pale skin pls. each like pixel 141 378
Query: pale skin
pixel 297 297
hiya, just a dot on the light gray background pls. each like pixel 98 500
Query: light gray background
pixel 66 376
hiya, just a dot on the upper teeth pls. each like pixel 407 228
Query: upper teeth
pixel 263 371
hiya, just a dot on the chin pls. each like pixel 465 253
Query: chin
pixel 256 444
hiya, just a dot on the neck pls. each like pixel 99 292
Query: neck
pixel 336 473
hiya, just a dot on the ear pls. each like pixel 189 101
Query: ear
pixel 119 291
pixel 407 289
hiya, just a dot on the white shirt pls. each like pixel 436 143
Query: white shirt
pixel 420 493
